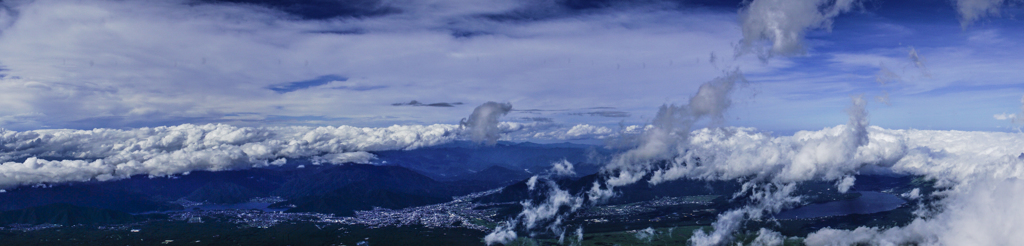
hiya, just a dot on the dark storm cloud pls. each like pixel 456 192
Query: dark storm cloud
pixel 591 111
pixel 604 113
pixel 299 85
pixel 417 103
pixel 537 119
pixel 320 9
pixel 352 31
pixel 360 87
pixel 536 110
pixel 566 8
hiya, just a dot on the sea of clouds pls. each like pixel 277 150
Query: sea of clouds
pixel 65 155
pixel 981 171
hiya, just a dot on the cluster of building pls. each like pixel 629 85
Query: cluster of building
pixel 461 212
pixel 601 213
pixel 458 213
pixel 27 227
pixel 446 215
pixel 186 203
pixel 249 218
pixel 269 199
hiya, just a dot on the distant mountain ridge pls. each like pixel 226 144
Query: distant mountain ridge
pixel 222 192
pixel 496 173
pixel 397 179
pixel 451 161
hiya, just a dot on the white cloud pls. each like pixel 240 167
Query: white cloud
pixel 502 234
pixel 360 157
pixel 772 166
pixel 976 164
pixel 645 235
pixel 783 24
pixel 547 211
pixel 767 237
pixel 57 156
pixel 583 131
pixel 483 123
pixel 562 168
pixel 723 228
pixel 670 128
pixel 545 215
pixel 1005 116
pixel 984 212
pixel 531 183
pixel 119 64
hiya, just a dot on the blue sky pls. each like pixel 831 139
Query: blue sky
pixel 124 64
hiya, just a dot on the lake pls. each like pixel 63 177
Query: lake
pixel 868 203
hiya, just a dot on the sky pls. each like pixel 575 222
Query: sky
pixel 769 93
pixel 942 65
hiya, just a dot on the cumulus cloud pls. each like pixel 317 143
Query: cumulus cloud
pixel 548 214
pixel 359 157
pixel 968 161
pixel 1013 117
pixel 417 103
pixel 667 136
pixel 767 237
pixel 645 235
pixel 581 131
pixel 502 234
pixel 1005 116
pixel 723 228
pixel 772 166
pixel 56 156
pixel 670 128
pixel 712 98
pixel 482 125
pixel 778 27
pixel 531 183
pixel 579 235
pixel 548 210
pixel 604 113
pixel 562 168
pixel 980 213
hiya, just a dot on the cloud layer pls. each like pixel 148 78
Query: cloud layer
pixel 58 156
pixel 55 156
pixel 127 64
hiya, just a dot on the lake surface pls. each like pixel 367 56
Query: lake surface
pixel 242 206
pixel 869 202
